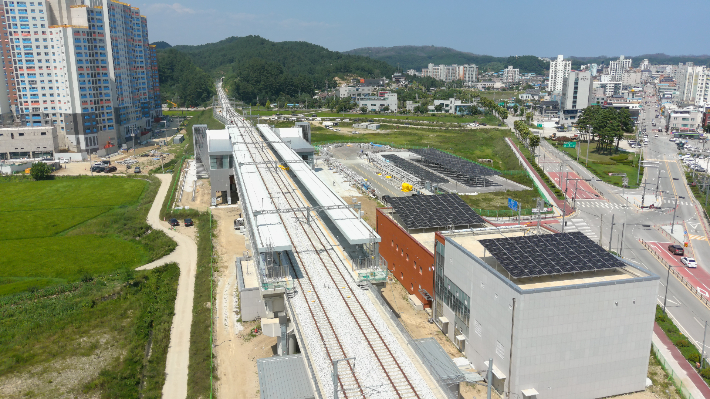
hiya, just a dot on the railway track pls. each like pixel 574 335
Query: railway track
pixel 332 302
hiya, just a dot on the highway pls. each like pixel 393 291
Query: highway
pixel 594 218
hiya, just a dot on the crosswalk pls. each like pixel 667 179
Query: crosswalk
pixel 697 237
pixel 600 204
pixel 581 226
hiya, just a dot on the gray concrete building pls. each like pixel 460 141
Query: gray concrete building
pixel 28 142
pixel 577 94
pixel 569 332
pixel 213 155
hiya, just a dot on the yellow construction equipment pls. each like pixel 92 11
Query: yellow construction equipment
pixel 406 187
pixel 283 167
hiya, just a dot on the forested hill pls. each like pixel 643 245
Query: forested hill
pixel 258 68
pixel 418 57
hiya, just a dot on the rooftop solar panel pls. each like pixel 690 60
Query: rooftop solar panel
pixel 549 254
pixel 433 211
pixel 456 168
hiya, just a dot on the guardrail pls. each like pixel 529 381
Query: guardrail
pixel 675 240
pixel 682 390
pixel 676 274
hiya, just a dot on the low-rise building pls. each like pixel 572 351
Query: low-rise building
pixel 452 106
pixel 685 121
pixel 28 142
pixel 559 316
pixel 379 101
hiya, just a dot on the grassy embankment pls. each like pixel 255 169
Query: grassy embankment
pixel 603 164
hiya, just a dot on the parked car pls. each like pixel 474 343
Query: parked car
pixel 676 249
pixel 137 169
pixel 110 169
pixel 689 262
pixel 97 169
pixel 174 222
pixel 63 160
pixel 189 222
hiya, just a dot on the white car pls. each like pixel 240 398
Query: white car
pixel 689 262
pixel 656 135
pixel 63 160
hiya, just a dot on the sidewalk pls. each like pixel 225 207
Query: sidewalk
pixel 549 195
pixel 684 373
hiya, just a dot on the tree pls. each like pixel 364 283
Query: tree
pixel 386 108
pixel 439 107
pixel 529 117
pixel 363 109
pixel 533 141
pixel 268 104
pixel 40 171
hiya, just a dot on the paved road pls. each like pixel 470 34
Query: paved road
pixel 185 255
pixel 573 187
pixel 595 221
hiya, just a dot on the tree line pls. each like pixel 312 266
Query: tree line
pixel 606 126
pixel 181 81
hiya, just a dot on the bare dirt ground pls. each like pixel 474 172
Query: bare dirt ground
pixel 369 206
pixel 63 378
pixel 202 196
pixel 236 349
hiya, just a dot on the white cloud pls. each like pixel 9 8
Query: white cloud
pixel 175 7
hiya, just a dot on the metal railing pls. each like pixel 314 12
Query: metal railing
pixel 676 274
pixel 680 388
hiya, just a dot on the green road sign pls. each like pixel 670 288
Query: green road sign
pixel 570 144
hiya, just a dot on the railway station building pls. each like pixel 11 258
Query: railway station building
pixel 559 316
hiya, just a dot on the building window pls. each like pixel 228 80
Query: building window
pixel 392 243
pixel 401 275
pixel 477 327
pixel 420 270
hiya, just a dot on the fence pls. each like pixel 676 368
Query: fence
pixel 676 274
pixel 680 388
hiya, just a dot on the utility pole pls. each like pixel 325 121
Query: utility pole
pixel 702 355
pixel 674 210
pixel 668 275
pixel 658 181
pixel 611 230
pixel 564 210
pixel 589 136
pixel 601 224
pixel 489 377
pixel 621 246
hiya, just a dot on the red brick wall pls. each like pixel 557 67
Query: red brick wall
pixel 408 260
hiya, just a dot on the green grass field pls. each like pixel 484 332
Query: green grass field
pixel 62 230
pixel 473 144
pixel 498 200
pixel 603 164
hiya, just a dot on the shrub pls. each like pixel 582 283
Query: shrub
pixel 661 318
pixel 694 358
pixel 682 343
pixel 705 373
pixel 40 171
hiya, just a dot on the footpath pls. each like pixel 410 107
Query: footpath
pixel 185 255
pixel 539 182
pixel 687 378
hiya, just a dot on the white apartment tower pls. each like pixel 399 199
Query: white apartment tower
pixel 693 83
pixel 617 68
pixel 448 73
pixel 559 70
pixel 511 75
pixel 84 66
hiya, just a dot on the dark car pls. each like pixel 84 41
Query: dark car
pixel 676 249
pixel 137 169
pixel 189 222
pixel 174 222
pixel 97 169
pixel 111 169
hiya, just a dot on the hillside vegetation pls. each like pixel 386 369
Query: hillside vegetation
pixel 256 68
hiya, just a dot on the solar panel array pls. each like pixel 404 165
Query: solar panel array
pixel 433 211
pixel 543 255
pixel 454 163
pixel 414 169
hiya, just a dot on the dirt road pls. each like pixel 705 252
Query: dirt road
pixel 185 255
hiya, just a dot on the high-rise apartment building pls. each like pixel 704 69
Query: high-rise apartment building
pixel 84 67
pixel 617 68
pixel 559 70
pixel 692 83
pixel 577 94
pixel 511 75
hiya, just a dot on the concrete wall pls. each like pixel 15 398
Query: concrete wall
pixel 575 341
pixel 32 140
pixel 402 252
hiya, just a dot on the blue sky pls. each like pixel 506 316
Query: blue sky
pixel 500 28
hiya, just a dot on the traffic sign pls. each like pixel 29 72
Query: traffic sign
pixel 570 144
pixel 512 204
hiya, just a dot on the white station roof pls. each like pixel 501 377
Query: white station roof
pixel 269 229
pixel 355 230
